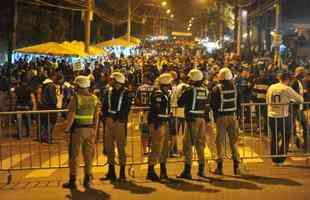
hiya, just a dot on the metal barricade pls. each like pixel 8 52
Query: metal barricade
pixel 44 145
pixel 274 137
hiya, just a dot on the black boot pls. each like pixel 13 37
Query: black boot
pixel 122 176
pixel 237 170
pixel 201 171
pixel 71 183
pixel 87 181
pixel 219 168
pixel 151 174
pixel 186 172
pixel 163 171
pixel 111 174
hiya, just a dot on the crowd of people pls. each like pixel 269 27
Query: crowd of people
pixel 180 83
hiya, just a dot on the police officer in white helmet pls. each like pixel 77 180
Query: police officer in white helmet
pixel 158 118
pixel 195 101
pixel 116 104
pixel 82 123
pixel 224 103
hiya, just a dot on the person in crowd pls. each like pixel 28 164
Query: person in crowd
pixel 23 103
pixel 278 97
pixel 298 110
pixel 244 89
pixel 260 87
pixel 143 99
pixel 49 102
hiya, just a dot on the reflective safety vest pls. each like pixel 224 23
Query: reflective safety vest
pixel 163 99
pixel 228 99
pixel 85 109
pixel 120 101
pixel 199 101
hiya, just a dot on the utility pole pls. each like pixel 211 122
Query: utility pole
pixel 236 24
pixel 11 33
pixel 221 22
pixel 277 35
pixel 129 22
pixel 239 34
pixel 87 23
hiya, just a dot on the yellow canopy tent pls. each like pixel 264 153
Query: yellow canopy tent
pixel 51 48
pixel 80 47
pixel 121 41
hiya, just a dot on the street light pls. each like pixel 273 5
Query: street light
pixel 172 16
pixel 188 29
pixel 168 11
pixel 192 19
pixel 164 3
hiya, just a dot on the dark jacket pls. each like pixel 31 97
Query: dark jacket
pixel 49 98
pixel 216 101
pixel 122 114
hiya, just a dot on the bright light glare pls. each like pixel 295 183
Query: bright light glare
pixel 168 11
pixel 172 15
pixel 210 46
pixel 164 3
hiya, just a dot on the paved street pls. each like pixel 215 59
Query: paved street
pixel 264 181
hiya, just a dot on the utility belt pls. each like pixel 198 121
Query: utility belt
pixel 85 126
pixel 78 126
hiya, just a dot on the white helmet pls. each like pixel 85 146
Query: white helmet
pixel 225 74
pixel 195 75
pixel 82 81
pixel 165 79
pixel 118 77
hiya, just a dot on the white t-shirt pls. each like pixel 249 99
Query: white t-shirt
pixel 278 98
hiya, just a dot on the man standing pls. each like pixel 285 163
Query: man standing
pixel 278 97
pixel 116 104
pixel 298 113
pixel 224 106
pixel 195 100
pixel 49 102
pixel 158 119
pixel 82 125
pixel 143 99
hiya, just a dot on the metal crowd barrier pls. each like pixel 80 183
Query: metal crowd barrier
pixel 36 139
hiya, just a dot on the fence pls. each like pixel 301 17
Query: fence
pixel 36 139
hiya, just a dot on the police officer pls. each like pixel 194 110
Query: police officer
pixel 196 109
pixel 82 124
pixel 278 97
pixel 116 105
pixel 158 118
pixel 224 106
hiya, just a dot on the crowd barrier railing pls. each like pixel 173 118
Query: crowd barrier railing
pixel 36 139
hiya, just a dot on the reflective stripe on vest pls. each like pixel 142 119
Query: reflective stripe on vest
pixel 166 114
pixel 195 98
pixel 228 100
pixel 85 110
pixel 120 101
